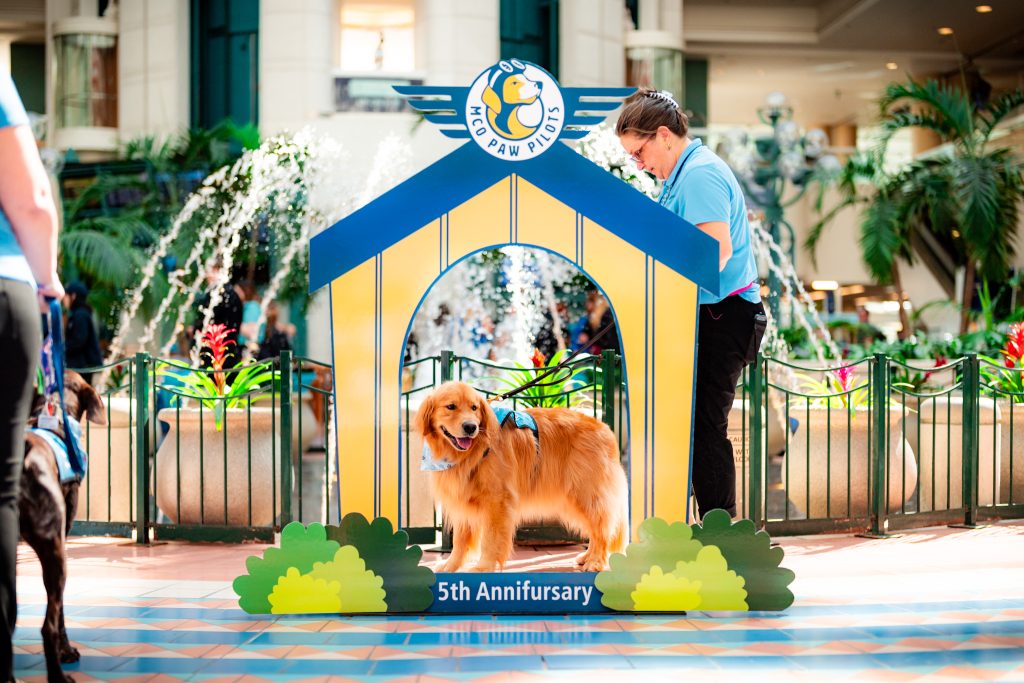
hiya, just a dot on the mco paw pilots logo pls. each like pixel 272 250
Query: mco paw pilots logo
pixel 514 110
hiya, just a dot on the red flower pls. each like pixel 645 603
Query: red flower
pixel 939 362
pixel 538 359
pixel 844 375
pixel 215 338
pixel 1014 350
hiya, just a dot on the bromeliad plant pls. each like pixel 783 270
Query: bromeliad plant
pixel 222 389
pixel 561 388
pixel 836 389
pixel 1007 378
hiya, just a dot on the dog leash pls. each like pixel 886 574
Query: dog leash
pixel 536 381
pixel 52 366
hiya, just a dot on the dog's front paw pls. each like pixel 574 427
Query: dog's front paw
pixel 69 654
pixel 597 564
pixel 582 558
pixel 447 567
pixel 485 567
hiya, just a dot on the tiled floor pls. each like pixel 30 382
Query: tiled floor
pixel 936 604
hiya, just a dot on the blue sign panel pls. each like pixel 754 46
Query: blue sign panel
pixel 512 593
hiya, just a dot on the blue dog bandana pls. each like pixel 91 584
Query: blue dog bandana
pixel 65 471
pixel 428 463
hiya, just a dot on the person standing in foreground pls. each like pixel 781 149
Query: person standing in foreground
pixel 701 188
pixel 28 275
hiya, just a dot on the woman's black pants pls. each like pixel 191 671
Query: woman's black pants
pixel 19 355
pixel 728 337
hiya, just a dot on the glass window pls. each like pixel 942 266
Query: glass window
pixel 86 83
pixel 377 36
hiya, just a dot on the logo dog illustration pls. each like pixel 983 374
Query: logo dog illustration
pixel 513 101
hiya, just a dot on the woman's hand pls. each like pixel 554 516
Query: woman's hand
pixel 53 289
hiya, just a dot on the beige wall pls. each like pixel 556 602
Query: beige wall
pixel 590 50
pixel 153 68
pixel 296 39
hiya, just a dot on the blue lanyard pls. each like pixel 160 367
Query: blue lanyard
pixel 52 363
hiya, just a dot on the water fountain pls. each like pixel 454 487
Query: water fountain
pixel 292 186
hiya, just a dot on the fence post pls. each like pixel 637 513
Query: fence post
pixel 286 438
pixel 447 366
pixel 609 387
pixel 879 445
pixel 142 417
pixel 755 450
pixel 971 389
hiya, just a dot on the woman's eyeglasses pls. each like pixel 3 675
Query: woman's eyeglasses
pixel 635 156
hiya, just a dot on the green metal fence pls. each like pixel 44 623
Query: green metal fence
pixel 870 446
pixel 878 445
pixel 169 465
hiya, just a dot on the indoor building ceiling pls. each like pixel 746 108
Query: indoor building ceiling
pixel 833 57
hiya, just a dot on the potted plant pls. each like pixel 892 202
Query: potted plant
pixel 219 463
pixel 1005 381
pixel 828 457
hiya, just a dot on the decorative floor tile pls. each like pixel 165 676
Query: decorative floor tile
pixel 894 610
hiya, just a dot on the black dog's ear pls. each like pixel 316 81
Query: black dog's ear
pixel 424 422
pixel 87 402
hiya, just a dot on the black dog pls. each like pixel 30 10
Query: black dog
pixel 47 509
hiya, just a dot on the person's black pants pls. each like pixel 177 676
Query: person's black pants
pixel 728 337
pixel 19 348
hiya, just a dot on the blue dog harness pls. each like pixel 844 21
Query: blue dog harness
pixel 72 459
pixel 521 420
pixel 65 471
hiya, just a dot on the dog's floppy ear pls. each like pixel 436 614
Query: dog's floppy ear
pixel 424 421
pixel 488 421
pixel 491 99
pixel 89 402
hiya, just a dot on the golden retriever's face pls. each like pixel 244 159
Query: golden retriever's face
pixel 454 416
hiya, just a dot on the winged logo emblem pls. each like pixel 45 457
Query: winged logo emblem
pixel 514 109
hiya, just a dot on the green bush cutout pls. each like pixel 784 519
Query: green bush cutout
pixel 387 554
pixel 301 547
pixel 660 592
pixel 719 586
pixel 659 545
pixel 297 593
pixel 748 552
pixel 360 589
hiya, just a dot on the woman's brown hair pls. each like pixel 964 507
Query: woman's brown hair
pixel 646 110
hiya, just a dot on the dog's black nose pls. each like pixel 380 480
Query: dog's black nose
pixel 469 428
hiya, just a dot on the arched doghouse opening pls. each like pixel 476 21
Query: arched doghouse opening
pixel 460 330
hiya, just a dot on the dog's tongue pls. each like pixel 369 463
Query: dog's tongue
pixel 464 442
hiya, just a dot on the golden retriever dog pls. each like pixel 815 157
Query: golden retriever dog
pixel 500 476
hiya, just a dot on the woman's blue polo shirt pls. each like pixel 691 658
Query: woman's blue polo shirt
pixel 701 189
pixel 13 265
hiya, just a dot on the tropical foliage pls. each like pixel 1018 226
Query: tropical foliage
pixel 212 388
pixel 105 247
pixel 561 388
pixel 968 195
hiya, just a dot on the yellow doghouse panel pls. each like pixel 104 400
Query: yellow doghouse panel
pixel 373 304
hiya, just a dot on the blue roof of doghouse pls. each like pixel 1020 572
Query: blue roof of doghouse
pixel 561 172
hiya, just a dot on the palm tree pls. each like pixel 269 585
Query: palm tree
pixel 885 232
pixel 971 194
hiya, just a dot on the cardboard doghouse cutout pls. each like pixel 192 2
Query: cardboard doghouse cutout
pixel 514 183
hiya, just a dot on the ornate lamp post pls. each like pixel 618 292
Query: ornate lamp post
pixel 767 166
